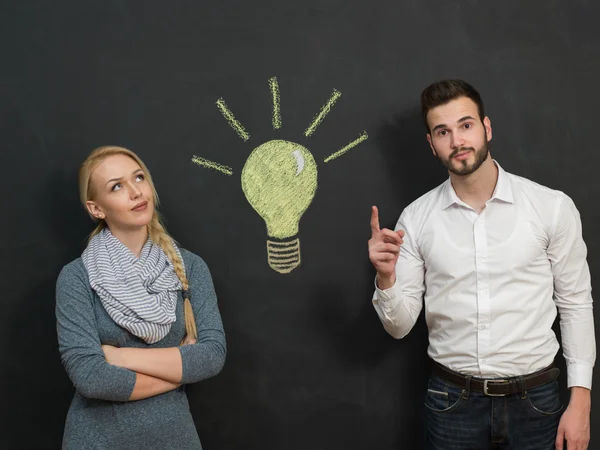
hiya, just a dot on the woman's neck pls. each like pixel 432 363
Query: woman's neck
pixel 133 239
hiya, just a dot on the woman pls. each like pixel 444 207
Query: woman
pixel 137 317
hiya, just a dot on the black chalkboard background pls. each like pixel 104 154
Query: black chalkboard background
pixel 309 365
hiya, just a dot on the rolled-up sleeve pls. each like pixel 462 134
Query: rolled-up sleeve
pixel 79 343
pixel 206 357
pixel 573 293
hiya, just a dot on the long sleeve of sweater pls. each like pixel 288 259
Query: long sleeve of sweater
pixel 206 357
pixel 79 343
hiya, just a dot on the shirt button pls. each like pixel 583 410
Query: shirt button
pixel 483 361
pixel 482 327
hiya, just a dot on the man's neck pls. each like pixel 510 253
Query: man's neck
pixel 478 187
pixel 133 239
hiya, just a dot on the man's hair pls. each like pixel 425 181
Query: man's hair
pixel 442 92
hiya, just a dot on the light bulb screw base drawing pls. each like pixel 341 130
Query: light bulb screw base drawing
pixel 283 256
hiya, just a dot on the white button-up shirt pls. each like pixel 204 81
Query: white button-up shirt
pixel 491 282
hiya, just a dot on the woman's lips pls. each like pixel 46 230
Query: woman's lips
pixel 140 206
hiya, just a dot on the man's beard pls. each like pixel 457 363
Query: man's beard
pixel 465 168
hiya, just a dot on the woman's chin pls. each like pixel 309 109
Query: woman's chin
pixel 132 226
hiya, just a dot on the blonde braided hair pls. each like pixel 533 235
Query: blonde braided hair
pixel 156 230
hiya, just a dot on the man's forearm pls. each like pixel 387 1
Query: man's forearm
pixel 385 282
pixel 580 397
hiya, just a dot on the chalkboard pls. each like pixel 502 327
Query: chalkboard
pixel 309 364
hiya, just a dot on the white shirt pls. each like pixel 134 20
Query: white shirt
pixel 492 282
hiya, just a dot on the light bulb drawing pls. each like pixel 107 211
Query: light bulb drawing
pixel 279 180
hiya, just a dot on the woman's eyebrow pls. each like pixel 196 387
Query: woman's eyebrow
pixel 120 178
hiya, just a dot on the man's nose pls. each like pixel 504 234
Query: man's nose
pixel 457 140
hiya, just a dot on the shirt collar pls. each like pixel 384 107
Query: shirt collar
pixel 502 192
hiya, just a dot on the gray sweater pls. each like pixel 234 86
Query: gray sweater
pixel 101 415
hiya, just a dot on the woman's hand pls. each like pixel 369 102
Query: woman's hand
pixel 188 340
pixel 112 355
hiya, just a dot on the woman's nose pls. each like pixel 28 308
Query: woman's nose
pixel 135 191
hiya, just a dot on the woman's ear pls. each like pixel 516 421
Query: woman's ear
pixel 95 210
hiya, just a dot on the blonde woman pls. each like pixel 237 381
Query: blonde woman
pixel 137 317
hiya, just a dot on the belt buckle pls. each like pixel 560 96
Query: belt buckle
pixel 485 388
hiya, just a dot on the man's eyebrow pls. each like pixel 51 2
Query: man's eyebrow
pixel 441 125
pixel 462 119
pixel 120 178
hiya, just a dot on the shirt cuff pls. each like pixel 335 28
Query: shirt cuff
pixel 385 295
pixel 579 375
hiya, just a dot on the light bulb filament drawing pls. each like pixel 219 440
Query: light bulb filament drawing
pixel 279 179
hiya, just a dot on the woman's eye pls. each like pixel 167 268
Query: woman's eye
pixel 116 187
pixel 139 177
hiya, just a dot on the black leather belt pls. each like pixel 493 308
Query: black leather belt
pixel 498 387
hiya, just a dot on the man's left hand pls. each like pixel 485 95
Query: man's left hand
pixel 574 426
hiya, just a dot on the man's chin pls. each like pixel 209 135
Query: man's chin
pixel 458 168
pixel 466 166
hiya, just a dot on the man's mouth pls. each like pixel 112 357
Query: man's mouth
pixel 463 154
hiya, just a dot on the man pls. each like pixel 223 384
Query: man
pixel 494 255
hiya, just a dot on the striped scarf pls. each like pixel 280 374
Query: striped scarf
pixel 139 294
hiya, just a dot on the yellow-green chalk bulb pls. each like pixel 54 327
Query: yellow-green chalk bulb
pixel 279 180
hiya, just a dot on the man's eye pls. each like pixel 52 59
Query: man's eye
pixel 443 133
pixel 467 125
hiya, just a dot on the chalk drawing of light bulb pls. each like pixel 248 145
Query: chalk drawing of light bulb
pixel 279 180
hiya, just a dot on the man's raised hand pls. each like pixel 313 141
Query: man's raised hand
pixel 384 249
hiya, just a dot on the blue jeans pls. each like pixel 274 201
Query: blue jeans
pixel 456 419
